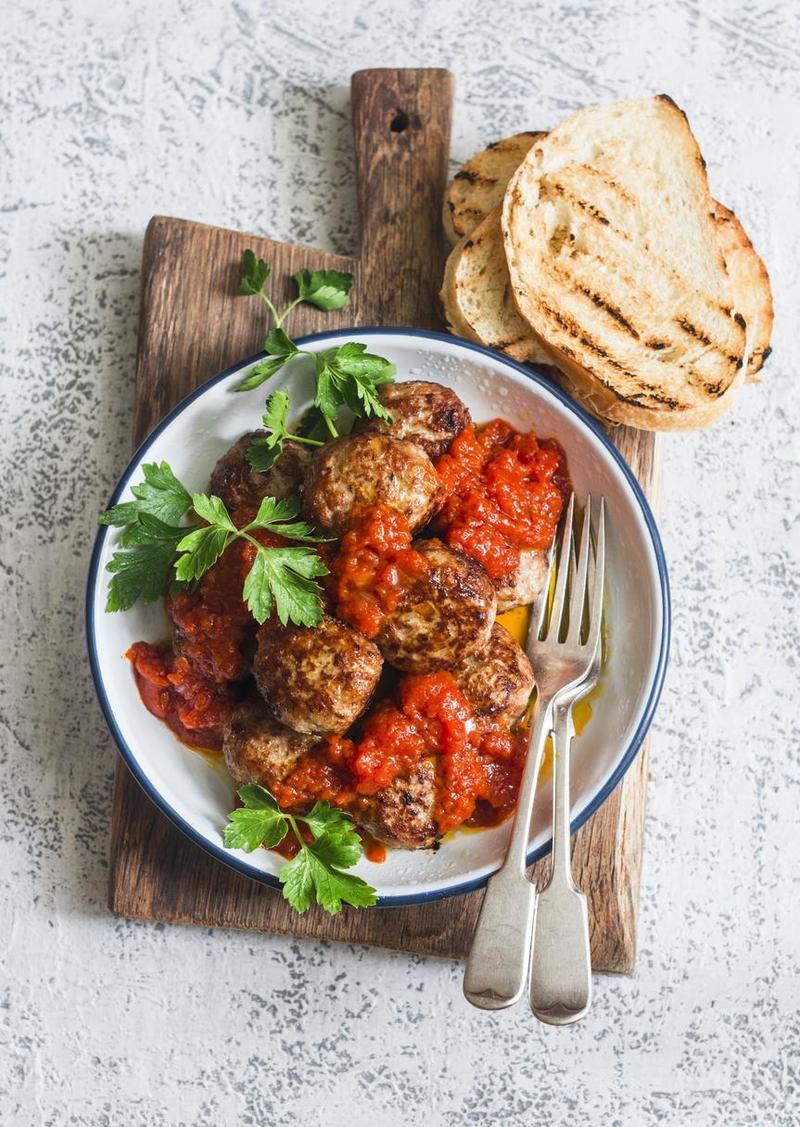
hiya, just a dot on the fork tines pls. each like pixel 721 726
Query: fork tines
pixel 575 609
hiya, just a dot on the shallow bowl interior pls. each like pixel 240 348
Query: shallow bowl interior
pixel 196 793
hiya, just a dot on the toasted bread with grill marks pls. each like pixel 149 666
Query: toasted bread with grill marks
pixel 750 284
pixel 480 185
pixel 615 262
pixel 477 297
pixel 482 313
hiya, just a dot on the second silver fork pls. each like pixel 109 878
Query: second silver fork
pixel 561 964
pixel 498 964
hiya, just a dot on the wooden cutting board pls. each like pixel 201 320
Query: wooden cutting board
pixel 191 330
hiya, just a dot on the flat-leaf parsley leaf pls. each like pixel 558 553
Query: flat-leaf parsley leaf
pixel 152 550
pixel 265 450
pixel 160 494
pixel 327 289
pixel 345 376
pixel 318 869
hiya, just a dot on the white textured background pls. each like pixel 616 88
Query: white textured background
pixel 237 113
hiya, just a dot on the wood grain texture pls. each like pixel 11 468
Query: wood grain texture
pixel 401 132
pixel 156 873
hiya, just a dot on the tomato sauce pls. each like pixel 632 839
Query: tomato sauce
pixel 194 706
pixel 504 493
pixel 212 627
pixel 479 760
pixel 191 684
pixel 375 562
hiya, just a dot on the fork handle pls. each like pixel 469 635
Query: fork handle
pixel 563 734
pixel 561 965
pixel 497 967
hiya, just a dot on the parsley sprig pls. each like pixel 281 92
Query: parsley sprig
pixel 265 450
pixel 279 577
pixel 155 549
pixel 317 870
pixel 327 289
pixel 347 376
pixel 149 537
pixel 160 495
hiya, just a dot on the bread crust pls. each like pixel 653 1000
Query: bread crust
pixel 477 297
pixel 751 286
pixel 480 184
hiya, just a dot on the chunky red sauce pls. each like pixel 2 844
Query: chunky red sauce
pixel 190 684
pixel 374 563
pixel 479 761
pixel 194 706
pixel 212 627
pixel 504 492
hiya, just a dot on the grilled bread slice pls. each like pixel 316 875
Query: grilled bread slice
pixel 484 313
pixel 481 184
pixel 477 297
pixel 750 284
pixel 473 311
pixel 615 263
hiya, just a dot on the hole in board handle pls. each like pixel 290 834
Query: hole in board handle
pixel 400 122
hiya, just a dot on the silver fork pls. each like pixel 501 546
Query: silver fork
pixel 498 964
pixel 561 966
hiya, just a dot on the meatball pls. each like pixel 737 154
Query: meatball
pixel 498 680
pixel 317 681
pixel 355 472
pixel 259 749
pixel 239 485
pixel 424 413
pixel 402 813
pixel 444 614
pixel 523 585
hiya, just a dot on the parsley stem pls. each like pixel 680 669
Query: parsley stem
pixel 246 536
pixel 307 441
pixel 280 319
pixel 293 823
pixel 275 316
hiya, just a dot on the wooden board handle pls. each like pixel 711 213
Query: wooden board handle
pixel 401 127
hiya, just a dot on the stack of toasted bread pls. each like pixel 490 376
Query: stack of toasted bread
pixel 597 248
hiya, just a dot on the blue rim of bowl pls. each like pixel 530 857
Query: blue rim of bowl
pixel 218 851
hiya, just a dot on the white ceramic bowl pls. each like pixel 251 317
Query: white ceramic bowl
pixel 196 795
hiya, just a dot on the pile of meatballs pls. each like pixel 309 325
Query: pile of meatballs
pixel 313 683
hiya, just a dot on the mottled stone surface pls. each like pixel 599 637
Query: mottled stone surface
pixel 236 113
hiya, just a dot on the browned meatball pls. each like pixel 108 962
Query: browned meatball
pixel 354 472
pixel 238 484
pixel 442 615
pixel 522 586
pixel 402 813
pixel 317 681
pixel 498 680
pixel 425 413
pixel 259 749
